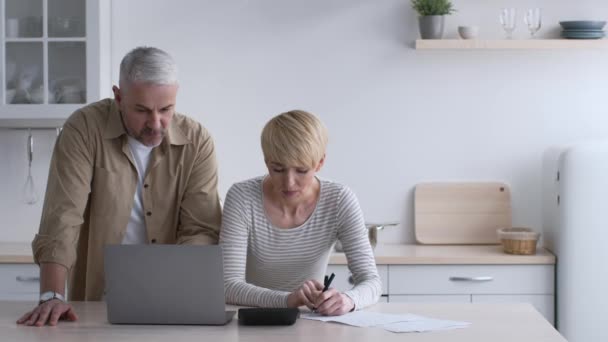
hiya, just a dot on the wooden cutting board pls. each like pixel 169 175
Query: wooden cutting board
pixel 461 213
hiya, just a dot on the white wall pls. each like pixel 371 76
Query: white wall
pixel 396 116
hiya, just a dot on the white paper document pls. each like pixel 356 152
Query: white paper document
pixel 363 318
pixel 391 322
pixel 426 324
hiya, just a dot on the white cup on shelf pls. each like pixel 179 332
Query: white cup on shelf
pixel 12 28
pixel 468 32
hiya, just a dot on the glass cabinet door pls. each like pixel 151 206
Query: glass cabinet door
pixel 66 59
pixel 66 18
pixel 67 72
pixel 24 73
pixel 23 18
pixel 45 52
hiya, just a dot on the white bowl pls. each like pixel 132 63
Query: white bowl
pixel 468 32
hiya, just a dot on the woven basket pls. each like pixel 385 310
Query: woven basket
pixel 518 240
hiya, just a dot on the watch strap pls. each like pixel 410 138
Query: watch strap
pixel 50 295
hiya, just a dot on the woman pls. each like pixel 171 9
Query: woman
pixel 278 230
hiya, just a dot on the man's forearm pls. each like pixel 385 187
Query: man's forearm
pixel 52 277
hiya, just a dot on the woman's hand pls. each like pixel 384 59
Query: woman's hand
pixel 306 294
pixel 333 303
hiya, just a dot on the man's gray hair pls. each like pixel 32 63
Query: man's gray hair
pixel 148 65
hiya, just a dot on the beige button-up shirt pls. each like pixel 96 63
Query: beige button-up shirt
pixel 91 186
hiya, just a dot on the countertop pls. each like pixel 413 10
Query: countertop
pixel 16 253
pixel 401 254
pixel 386 254
pixel 490 322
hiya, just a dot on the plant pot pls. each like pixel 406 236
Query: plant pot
pixel 431 26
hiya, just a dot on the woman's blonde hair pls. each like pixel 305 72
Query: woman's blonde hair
pixel 294 138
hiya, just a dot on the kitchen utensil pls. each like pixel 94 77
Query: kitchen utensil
pixel 12 27
pixel 65 27
pixel 69 94
pixel 583 30
pixel 10 95
pixel 461 213
pixel 518 240
pixel 372 234
pixel 533 18
pixel 583 24
pixel 68 90
pixel 37 95
pixel 30 26
pixel 468 32
pixel 11 69
pixel 29 189
pixel 24 84
pixel 372 231
pixel 583 34
pixel 21 96
pixel 507 19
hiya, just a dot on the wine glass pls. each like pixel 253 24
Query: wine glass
pixel 507 19
pixel 533 19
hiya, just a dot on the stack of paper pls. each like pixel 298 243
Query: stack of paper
pixel 425 324
pixel 390 322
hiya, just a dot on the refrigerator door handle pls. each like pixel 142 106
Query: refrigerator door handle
pixel 473 279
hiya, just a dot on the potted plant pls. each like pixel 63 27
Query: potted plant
pixel 432 16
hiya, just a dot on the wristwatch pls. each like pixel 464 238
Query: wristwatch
pixel 49 295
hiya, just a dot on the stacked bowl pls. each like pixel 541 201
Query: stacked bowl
pixel 583 29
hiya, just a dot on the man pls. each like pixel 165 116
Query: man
pixel 125 170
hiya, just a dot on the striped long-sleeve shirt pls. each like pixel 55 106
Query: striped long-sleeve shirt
pixel 263 264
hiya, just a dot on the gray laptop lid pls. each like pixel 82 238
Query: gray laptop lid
pixel 165 284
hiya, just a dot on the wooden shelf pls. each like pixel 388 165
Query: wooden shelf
pixel 526 44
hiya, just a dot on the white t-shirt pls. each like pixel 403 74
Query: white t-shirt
pixel 136 228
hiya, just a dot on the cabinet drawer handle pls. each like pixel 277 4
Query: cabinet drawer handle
pixel 475 279
pixel 28 279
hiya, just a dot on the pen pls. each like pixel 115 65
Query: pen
pixel 328 282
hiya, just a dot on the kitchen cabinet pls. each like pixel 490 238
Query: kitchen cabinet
pixel 532 284
pixel 471 279
pixel 343 280
pixel 19 282
pixel 50 53
pixel 430 299
pixel 527 283
pixel 545 304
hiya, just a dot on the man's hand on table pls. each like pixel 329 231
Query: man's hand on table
pixel 49 312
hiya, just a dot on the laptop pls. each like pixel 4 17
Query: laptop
pixel 165 284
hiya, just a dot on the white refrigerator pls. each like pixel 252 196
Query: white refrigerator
pixel 575 227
